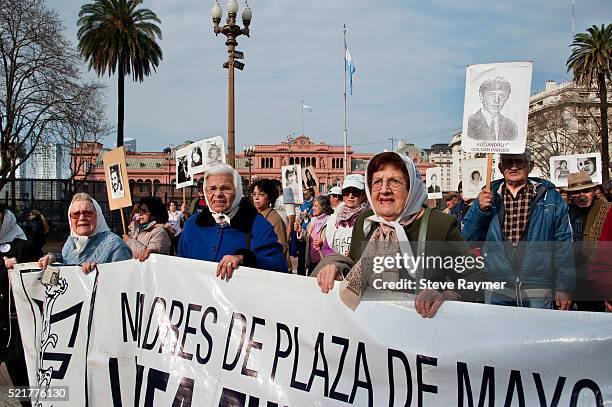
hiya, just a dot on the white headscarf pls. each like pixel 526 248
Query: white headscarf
pixel 219 169
pixel 417 196
pixel 10 230
pixel 81 241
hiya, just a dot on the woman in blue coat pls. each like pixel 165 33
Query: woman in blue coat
pixel 229 230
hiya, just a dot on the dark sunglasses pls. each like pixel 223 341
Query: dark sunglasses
pixel 352 191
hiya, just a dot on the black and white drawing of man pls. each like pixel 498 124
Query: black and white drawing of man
pixel 587 164
pixel 488 123
pixel 116 185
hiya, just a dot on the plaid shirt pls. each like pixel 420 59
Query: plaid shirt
pixel 516 211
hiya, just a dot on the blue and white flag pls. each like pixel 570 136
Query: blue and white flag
pixel 350 67
pixel 306 107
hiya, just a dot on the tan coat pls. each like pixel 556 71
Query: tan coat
pixel 155 238
pixel 279 227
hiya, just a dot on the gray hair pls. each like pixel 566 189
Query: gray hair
pixel 325 203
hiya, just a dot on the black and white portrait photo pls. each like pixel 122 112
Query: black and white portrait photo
pixel 310 178
pixel 496 107
pixel 196 156
pixel 183 175
pixel 433 182
pixel 473 176
pixel 587 164
pixel 116 184
pixel 292 184
pixel 563 165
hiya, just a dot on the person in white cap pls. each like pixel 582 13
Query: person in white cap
pixel 335 197
pixel 340 224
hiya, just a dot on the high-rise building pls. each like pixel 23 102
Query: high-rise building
pixel 48 165
pixel 130 144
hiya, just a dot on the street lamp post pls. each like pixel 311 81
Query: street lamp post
pixel 232 31
pixel 249 152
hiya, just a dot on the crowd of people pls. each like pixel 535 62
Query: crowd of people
pixel 548 246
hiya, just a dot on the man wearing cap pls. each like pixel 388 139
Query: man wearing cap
pixel 587 216
pixel 488 123
pixel 517 219
pixel 335 198
pixel 340 224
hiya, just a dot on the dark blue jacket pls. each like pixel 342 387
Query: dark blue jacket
pixel 249 234
pixel 534 263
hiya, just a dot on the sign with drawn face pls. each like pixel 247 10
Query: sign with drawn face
pixel 433 178
pixel 117 181
pixel 309 177
pixel 562 165
pixel 292 184
pixel 496 107
pixel 183 164
pixel 473 177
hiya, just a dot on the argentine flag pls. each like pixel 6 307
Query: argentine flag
pixel 306 107
pixel 350 67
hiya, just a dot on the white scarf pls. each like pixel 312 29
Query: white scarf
pixel 10 230
pixel 417 196
pixel 225 217
pixel 81 241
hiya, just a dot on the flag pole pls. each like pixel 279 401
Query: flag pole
pixel 345 130
pixel 302 116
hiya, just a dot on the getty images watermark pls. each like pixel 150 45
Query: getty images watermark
pixel 460 264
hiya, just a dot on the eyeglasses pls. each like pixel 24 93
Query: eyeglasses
pixel 144 211
pixel 87 214
pixel 509 163
pixel 391 183
pixel 352 191
pixel 222 190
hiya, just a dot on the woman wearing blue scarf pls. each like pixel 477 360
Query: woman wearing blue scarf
pixel 90 241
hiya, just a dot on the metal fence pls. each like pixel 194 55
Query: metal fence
pixel 52 198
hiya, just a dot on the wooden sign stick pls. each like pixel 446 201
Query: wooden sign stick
pixel 489 171
pixel 123 221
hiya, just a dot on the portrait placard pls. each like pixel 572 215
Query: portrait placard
pixel 496 107
pixel 309 177
pixel 433 176
pixel 292 184
pixel 473 177
pixel 205 154
pixel 117 181
pixel 183 164
pixel 562 165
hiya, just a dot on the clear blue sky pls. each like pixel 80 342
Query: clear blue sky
pixel 410 58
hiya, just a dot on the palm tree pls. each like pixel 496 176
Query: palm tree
pixel 591 61
pixel 116 35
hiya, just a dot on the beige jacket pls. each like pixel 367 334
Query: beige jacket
pixel 155 238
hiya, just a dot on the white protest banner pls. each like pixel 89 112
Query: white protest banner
pixel 167 332
pixel 53 324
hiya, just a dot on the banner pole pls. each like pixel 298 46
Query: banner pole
pixel 122 220
pixel 489 171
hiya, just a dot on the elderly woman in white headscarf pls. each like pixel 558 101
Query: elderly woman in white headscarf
pixel 399 223
pixel 14 249
pixel 229 230
pixel 90 242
